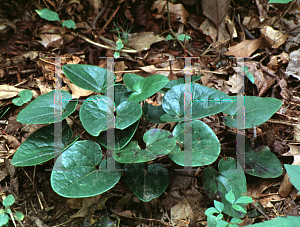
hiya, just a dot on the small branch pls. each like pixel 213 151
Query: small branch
pixel 99 15
pixel 260 211
pixel 110 19
pixel 103 46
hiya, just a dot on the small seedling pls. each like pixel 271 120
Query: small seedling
pixel 6 214
pixel 218 221
pixel 123 38
pixel 49 15
pixel 25 96
pixel 181 37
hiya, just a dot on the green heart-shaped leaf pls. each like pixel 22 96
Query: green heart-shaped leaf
pixel 127 114
pixel 93 113
pixel 131 79
pixel 76 174
pixel 147 87
pixel 158 143
pixel 88 77
pixel 205 101
pixel 122 137
pixel 149 183
pixel 39 146
pixel 257 111
pixel 25 96
pixel 205 145
pixel 41 110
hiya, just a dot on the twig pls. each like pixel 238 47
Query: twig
pixel 36 191
pixel 129 51
pixel 12 218
pixel 171 30
pixel 260 211
pixel 99 15
pixel 18 219
pixel 141 219
pixel 110 19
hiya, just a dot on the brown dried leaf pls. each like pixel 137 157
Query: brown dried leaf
pixel 273 37
pixel 245 48
pixel 177 11
pixel 51 40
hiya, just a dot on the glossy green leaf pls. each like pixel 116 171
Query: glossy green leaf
pixel 69 24
pixel 8 201
pixel 48 15
pixel 121 94
pixel 25 96
pixel 244 199
pixel 236 220
pixel 205 145
pixel 148 87
pixel 122 137
pixel 41 110
pixel 169 37
pixel 39 146
pixel 257 111
pixel 229 178
pixel 159 142
pixel 130 79
pixel 4 219
pixel 212 221
pixel 294 173
pixel 20 216
pixel 127 114
pixel 219 206
pixel 262 163
pixel 231 109
pixel 119 44
pixel 153 113
pixel 89 77
pixel 93 114
pixel 76 174
pixel 279 1
pixel 173 83
pixel 222 223
pixel 230 197
pixel 288 221
pixel 211 211
pixel 239 208
pixel 206 101
pixel 148 183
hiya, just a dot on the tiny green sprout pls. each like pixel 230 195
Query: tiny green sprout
pixel 7 213
pixel 249 75
pixel 181 37
pixel 1 110
pixel 217 221
pixel 25 96
pixel 121 41
pixel 49 15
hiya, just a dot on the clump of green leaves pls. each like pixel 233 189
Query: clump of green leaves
pixel 7 213
pixel 218 221
pixel 49 15
pixel 123 37
pixel 25 96
pixel 181 37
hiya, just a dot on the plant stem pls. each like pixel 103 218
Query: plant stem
pixel 171 30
